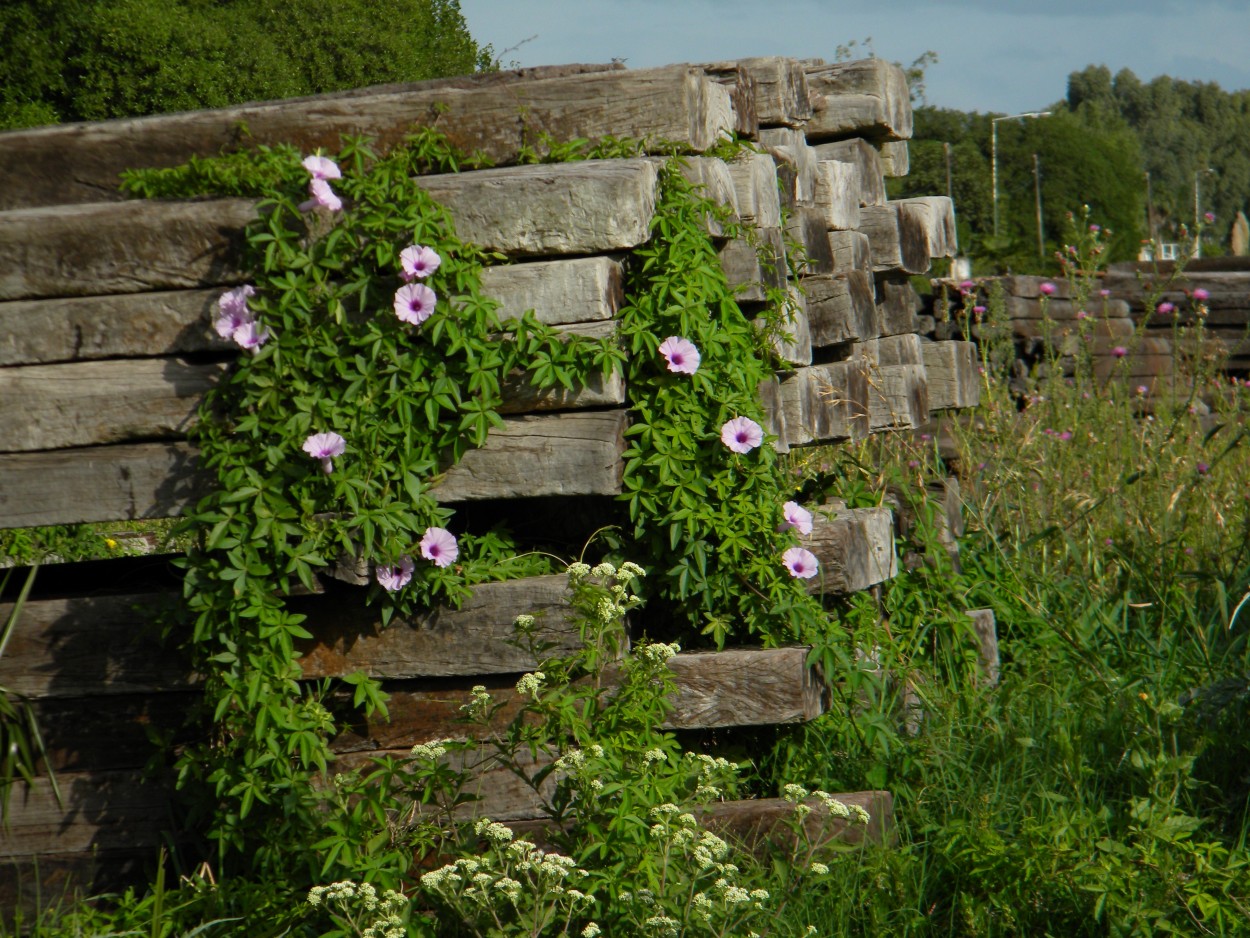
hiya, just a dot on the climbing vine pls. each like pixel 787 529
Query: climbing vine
pixel 371 363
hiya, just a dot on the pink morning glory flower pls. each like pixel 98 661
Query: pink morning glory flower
pixel 741 434
pixel 322 167
pixel 418 261
pixel 414 303
pixel 392 578
pixel 1119 351
pixel 250 335
pixel 797 517
pixel 1202 295
pixel 439 545
pixel 1046 289
pixel 322 197
pixel 801 563
pixel 325 446
pixel 681 355
pixel 1165 307
pixel 232 311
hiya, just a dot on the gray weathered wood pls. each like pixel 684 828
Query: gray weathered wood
pixel 753 269
pixel 87 403
pixel 895 158
pixel 897 304
pixel 952 375
pixel 806 226
pixel 81 162
pixel 935 215
pixel 712 179
pixel 823 403
pixel 781 93
pixel 754 178
pixel 789 146
pixel 868 97
pixel 898 397
pixel 837 194
pixel 559 454
pixel 855 547
pixel 562 291
pixel 864 155
pixel 986 629
pixel 899 241
pixel 791 339
pixel 840 309
pixel 851 250
pixel 521 397
pixel 898 350
pixel 769 394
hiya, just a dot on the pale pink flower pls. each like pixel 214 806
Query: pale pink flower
pixel 1141 390
pixel 392 578
pixel 414 303
pixel 801 563
pixel 418 261
pixel 1104 293
pixel 1065 435
pixel 1202 295
pixel 1119 351
pixel 1208 217
pixel 741 434
pixel 322 197
pixel 322 167
pixel 1046 289
pixel 967 286
pixel 1081 314
pixel 250 335
pixel 1165 307
pixel 439 545
pixel 681 355
pixel 325 446
pixel 797 517
pixel 232 310
pixel 1094 229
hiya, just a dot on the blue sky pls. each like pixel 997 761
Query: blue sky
pixel 994 55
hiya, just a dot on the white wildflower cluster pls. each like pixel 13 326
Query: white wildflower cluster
pixel 606 611
pixel 531 684
pixel 524 622
pixel 493 831
pixel 578 572
pixel 657 653
pixel 629 571
pixel 480 702
pixel 839 810
pixel 820 869
pixel 654 755
pixel 592 930
pixel 662 926
pixel 384 916
pixel 432 750
pixel 604 570
pixel 793 793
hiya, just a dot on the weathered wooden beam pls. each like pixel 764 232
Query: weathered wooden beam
pixel 753 269
pixel 935 215
pixel 899 241
pixel 791 339
pixel 837 194
pixel 986 630
pixel 588 207
pixel 75 163
pixel 769 394
pixel 851 250
pixel 868 97
pixel 579 454
pixel 781 93
pixel 897 304
pixel 789 147
pixel 855 547
pixel 1060 310
pixel 712 179
pixel 840 309
pixel 952 374
pixel 864 155
pixel 895 158
pixel 823 403
pixel 754 178
pixel 898 397
pixel 806 226
pixel 897 350
pixel 563 291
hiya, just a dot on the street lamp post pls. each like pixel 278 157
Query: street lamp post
pixel 994 154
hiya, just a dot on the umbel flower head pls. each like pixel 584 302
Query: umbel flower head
pixel 681 354
pixel 325 446
pixel 414 303
pixel 741 434
pixel 439 546
pixel 417 262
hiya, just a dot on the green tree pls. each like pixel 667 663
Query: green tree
pixel 67 60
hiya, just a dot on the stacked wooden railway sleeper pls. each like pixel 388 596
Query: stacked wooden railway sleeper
pixel 106 349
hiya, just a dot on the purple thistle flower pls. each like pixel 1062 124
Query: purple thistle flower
pixel 797 517
pixel 1165 307
pixel 681 354
pixel 1119 351
pixel 1046 289
pixel 439 546
pixel 1208 217
pixel 418 262
pixel 1094 229
pixel 741 434
pixel 321 167
pixel 1203 468
pixel 325 446
pixel 1104 293
pixel 392 578
pixel 414 303
pixel 967 286
pixel 250 335
pixel 1141 390
pixel 978 310
pixel 1202 295
pixel 322 197
pixel 801 563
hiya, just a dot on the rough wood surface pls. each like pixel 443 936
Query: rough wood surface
pixel 864 155
pixel 752 269
pixel 952 374
pixel 851 250
pixel 562 291
pixel 899 241
pixel 935 215
pixel 754 178
pixel 986 630
pixel 81 162
pixel 867 97
pixel 791 340
pixel 897 304
pixel 521 397
pixel 895 158
pixel 127 247
pixel 1061 310
pixel 840 309
pixel 855 547
pixel 898 350
pixel 789 147
pixel 769 395
pixel 712 179
pixel 824 403
pixel 559 454
pixel 837 194
pixel 87 403
pixel 898 397
pixel 781 93
pixel 806 225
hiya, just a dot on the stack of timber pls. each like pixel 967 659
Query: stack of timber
pixel 106 349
